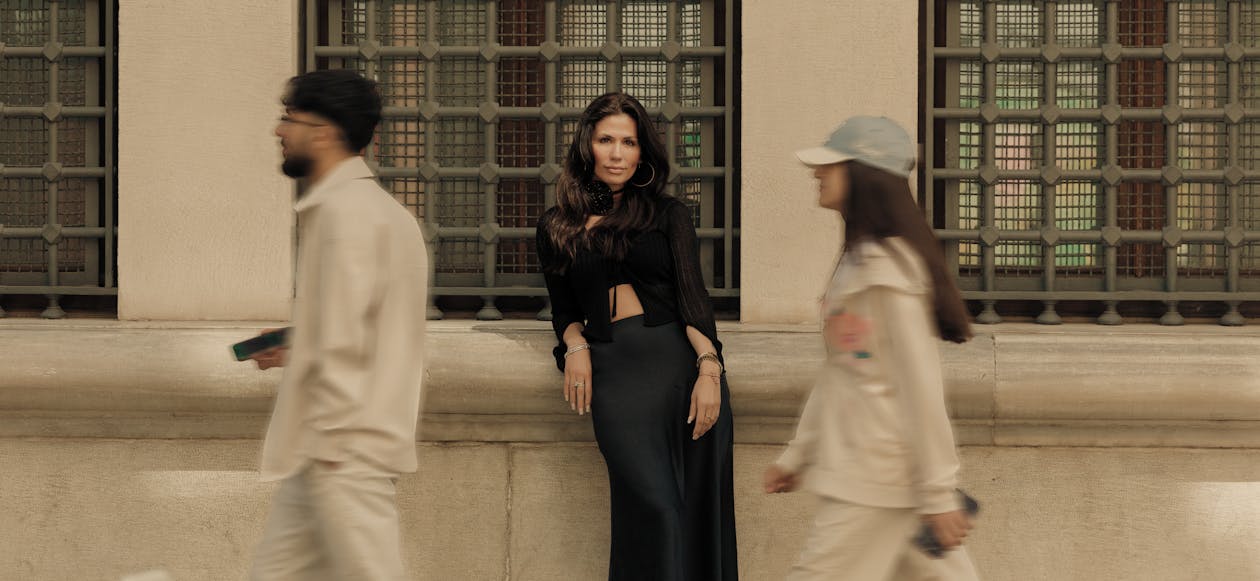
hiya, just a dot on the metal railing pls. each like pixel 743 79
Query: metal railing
pixel 57 203
pixel 1096 151
pixel 482 98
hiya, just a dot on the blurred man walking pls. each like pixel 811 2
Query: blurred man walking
pixel 344 425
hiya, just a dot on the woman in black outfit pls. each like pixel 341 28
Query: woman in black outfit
pixel 639 348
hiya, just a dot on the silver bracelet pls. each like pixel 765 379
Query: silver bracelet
pixel 575 349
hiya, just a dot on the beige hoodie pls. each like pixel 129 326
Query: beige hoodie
pixel 875 430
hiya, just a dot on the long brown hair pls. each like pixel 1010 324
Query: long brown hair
pixel 879 206
pixel 639 201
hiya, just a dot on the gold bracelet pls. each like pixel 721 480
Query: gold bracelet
pixel 576 348
pixel 710 356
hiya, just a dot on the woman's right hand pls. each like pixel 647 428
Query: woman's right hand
pixel 577 381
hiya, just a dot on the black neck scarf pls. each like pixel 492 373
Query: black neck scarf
pixel 601 197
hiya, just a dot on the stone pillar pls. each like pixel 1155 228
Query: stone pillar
pixel 205 217
pixel 805 70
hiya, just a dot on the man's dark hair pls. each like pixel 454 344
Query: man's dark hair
pixel 344 97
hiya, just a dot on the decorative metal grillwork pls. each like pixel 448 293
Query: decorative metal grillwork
pixel 482 98
pixel 1096 150
pixel 57 223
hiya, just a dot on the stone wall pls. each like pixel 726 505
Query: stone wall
pixel 1099 453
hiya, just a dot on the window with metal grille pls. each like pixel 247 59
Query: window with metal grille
pixel 56 155
pixel 482 99
pixel 1095 156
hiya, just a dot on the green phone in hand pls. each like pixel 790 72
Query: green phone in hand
pixel 250 347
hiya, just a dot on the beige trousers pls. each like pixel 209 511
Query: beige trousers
pixel 852 542
pixel 332 523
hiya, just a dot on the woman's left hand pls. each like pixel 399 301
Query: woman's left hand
pixel 706 400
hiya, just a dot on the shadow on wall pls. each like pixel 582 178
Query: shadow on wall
pixel 105 509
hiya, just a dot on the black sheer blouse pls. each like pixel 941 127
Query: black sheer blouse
pixel 662 264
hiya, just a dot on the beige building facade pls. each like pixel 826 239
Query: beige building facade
pixel 1098 453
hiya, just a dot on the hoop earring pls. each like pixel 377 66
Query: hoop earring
pixel 650 180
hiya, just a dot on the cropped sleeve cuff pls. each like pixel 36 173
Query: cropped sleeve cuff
pixel 939 501
pixel 792 460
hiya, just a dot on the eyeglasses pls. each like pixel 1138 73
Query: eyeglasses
pixel 284 119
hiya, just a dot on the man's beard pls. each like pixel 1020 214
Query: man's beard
pixel 297 166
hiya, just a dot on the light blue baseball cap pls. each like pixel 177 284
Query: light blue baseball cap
pixel 875 141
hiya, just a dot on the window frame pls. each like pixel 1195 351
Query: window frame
pixel 1124 234
pixel 709 181
pixel 90 280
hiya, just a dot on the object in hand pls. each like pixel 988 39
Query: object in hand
pixel 250 347
pixel 926 539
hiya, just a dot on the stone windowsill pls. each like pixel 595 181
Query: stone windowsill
pixel 1014 384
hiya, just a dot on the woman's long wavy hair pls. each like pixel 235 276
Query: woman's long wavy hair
pixel 879 206
pixel 640 198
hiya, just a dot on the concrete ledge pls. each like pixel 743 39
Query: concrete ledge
pixel 1014 385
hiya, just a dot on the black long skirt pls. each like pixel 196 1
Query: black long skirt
pixel 672 498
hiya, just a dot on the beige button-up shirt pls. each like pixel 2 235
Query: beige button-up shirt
pixel 351 386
